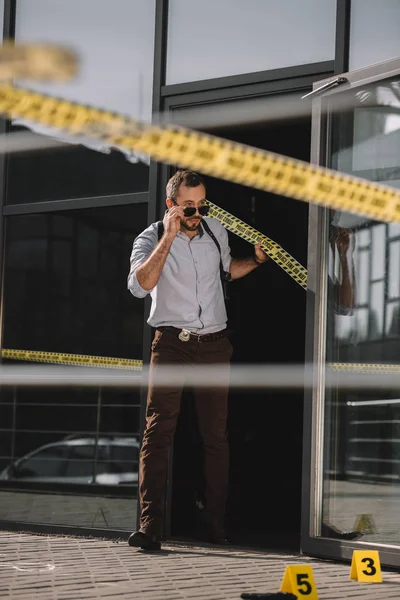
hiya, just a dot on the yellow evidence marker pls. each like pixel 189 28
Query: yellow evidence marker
pixel 366 566
pixel 299 580
pixel 365 524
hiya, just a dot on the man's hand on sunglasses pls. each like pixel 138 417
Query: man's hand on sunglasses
pixel 172 219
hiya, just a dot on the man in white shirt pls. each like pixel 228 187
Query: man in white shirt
pixel 183 272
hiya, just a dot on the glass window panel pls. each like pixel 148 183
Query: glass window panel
pixel 115 73
pixel 377 139
pixel 72 172
pixel 362 432
pixel 81 304
pixel 363 277
pixel 7 395
pixel 111 417
pixel 363 238
pixel 1 18
pixel 119 463
pixel 260 36
pixel 394 229
pixel 60 460
pixel 374 32
pixel 6 416
pixel 118 398
pixel 126 453
pixel 53 397
pixel 86 511
pixel 394 269
pixel 393 319
pixel 114 42
pixel 61 419
pixel 77 262
pixel 377 310
pixel 81 461
pixel 77 469
pixel 6 448
pixel 378 251
pixel 26 442
pixel 48 462
pixel 344 327
pixel 362 315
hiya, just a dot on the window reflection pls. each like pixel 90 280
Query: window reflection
pixel 107 461
pixel 362 430
pixel 115 73
pixel 377 280
pixel 65 291
pixel 71 172
pixel 65 282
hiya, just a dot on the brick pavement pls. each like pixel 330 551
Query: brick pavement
pixel 42 567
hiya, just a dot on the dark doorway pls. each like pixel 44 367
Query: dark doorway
pixel 267 315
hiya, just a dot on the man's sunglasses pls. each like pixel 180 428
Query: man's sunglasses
pixel 190 211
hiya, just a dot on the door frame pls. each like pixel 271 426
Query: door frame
pixel 312 490
pixel 290 80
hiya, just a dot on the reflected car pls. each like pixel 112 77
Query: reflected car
pixel 79 460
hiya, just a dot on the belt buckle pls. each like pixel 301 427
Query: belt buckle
pixel 184 335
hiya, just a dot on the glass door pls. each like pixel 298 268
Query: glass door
pixel 352 455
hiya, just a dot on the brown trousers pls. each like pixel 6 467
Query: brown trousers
pixel 163 406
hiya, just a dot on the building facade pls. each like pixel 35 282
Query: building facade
pixel 245 72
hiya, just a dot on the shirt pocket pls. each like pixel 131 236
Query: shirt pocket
pixel 211 258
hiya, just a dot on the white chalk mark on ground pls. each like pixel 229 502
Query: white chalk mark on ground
pixel 29 567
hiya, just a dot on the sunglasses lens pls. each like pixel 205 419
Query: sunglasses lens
pixel 189 211
pixel 203 210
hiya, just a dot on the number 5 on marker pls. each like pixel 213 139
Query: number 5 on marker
pixel 299 580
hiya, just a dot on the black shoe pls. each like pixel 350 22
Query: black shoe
pixel 333 532
pixel 139 539
pixel 219 539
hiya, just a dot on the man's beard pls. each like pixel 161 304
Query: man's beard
pixel 192 227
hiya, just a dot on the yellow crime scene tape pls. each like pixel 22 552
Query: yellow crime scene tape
pixel 61 358
pixel 37 61
pixel 373 368
pixel 208 154
pixel 187 148
pixel 52 62
pixel 84 360
pixel 248 233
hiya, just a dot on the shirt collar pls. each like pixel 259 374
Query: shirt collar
pixel 200 232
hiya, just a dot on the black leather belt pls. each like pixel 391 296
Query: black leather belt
pixel 200 338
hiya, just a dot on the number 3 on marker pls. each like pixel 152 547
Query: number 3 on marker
pixel 371 569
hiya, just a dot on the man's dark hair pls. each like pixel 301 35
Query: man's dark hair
pixel 182 177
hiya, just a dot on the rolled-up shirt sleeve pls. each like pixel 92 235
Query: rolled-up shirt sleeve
pixel 143 246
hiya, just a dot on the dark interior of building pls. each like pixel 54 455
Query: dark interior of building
pixel 266 313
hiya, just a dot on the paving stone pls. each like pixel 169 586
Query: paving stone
pixel 72 568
